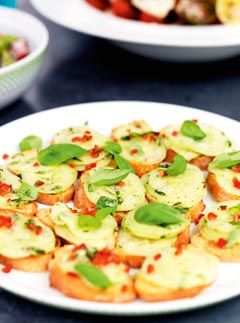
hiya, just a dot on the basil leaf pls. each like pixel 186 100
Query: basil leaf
pixel 234 237
pixel 103 213
pixel 137 135
pixel 105 201
pixel 59 153
pixel 234 210
pixel 93 275
pixel 89 222
pixel 226 160
pixel 192 130
pixel 123 163
pixel 178 166
pixel 106 177
pixel 158 214
pixel 27 192
pixel 112 147
pixel 30 142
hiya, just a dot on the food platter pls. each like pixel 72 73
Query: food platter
pixel 103 116
pixel 172 43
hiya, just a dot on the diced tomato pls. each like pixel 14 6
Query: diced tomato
pixel 134 151
pixel 5 221
pixel 39 183
pixel 74 211
pixel 19 49
pixel 221 243
pixel 124 9
pixel 162 173
pixel 150 136
pixel 38 230
pixel 86 137
pixel 150 268
pixel 36 164
pixel 89 210
pixel 175 133
pixel 71 165
pixel 120 184
pixel 198 218
pixel 223 207
pixel 79 247
pixel 104 257
pixel 95 151
pixel 148 18
pixel 236 169
pixel 5 156
pixel 211 216
pixel 90 166
pixel 157 256
pixel 35 228
pixel 73 275
pixel 6 269
pixel 5 189
pixel 236 217
pixel 236 182
pixel 99 4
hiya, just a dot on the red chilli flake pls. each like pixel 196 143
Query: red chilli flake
pixel 6 269
pixel 89 210
pixel 236 217
pixel 175 133
pixel 236 182
pixel 35 228
pixel 157 256
pixel 36 164
pixel 198 218
pixel 5 221
pixel 120 184
pixel 5 189
pixel 162 173
pixel 211 216
pixel 221 243
pixel 86 137
pixel 39 183
pixel 90 166
pixel 150 268
pixel 236 169
pixel 95 151
pixel 223 207
pixel 134 151
pixel 82 246
pixel 5 156
pixel 73 275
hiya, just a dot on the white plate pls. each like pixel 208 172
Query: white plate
pixel 174 43
pixel 103 116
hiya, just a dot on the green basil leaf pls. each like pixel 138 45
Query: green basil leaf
pixel 59 153
pixel 123 163
pixel 178 166
pixel 158 214
pixel 30 142
pixel 226 160
pixel 234 237
pixel 103 213
pixel 89 222
pixel 137 135
pixel 192 130
pixel 27 192
pixel 112 147
pixel 105 201
pixel 106 177
pixel 234 210
pixel 93 275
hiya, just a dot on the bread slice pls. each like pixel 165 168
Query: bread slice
pixel 27 209
pixel 51 199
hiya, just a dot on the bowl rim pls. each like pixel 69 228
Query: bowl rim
pixel 100 24
pixel 37 51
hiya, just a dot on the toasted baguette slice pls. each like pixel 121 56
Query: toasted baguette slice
pixel 73 285
pixel 201 162
pixel 194 211
pixel 45 216
pixel 81 200
pixel 152 293
pixel 135 261
pixel 218 193
pixel 170 275
pixel 51 199
pixel 231 254
pixel 141 169
pixel 29 210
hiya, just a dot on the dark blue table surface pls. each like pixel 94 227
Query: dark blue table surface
pixel 84 69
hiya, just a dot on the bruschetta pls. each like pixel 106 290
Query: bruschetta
pixel 141 146
pixel 25 244
pixel 197 142
pixel 169 275
pixel 99 278
pixel 88 139
pixel 76 228
pixel 184 191
pixel 16 196
pixel 138 240
pixel 219 231
pixel 128 193
pixel 223 182
pixel 53 183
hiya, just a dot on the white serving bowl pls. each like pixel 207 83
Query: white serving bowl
pixel 16 78
pixel 166 42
